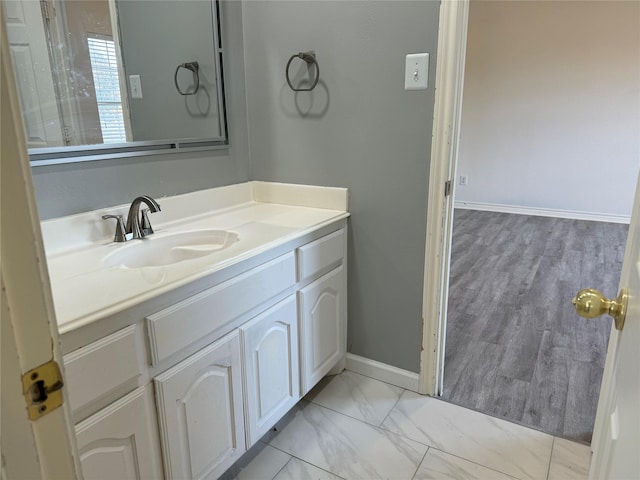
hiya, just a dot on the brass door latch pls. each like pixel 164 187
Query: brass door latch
pixel 42 389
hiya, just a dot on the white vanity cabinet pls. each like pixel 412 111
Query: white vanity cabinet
pixel 200 412
pixel 180 386
pixel 120 441
pixel 270 355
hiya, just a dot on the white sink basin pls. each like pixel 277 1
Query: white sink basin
pixel 156 251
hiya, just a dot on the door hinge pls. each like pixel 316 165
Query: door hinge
pixel 42 389
pixel 447 188
pixel 67 135
pixel 48 11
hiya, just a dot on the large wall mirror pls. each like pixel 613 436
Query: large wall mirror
pixel 107 78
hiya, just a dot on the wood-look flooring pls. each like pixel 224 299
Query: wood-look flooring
pixel 515 347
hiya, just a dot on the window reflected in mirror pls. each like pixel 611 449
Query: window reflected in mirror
pixel 106 80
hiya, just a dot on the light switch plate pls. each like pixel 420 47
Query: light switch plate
pixel 136 86
pixel 416 71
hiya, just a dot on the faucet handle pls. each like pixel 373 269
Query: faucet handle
pixel 121 235
pixel 145 225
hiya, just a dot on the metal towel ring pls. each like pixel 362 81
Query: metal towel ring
pixel 192 67
pixel 309 57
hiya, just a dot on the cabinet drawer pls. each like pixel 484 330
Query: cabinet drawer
pixel 322 254
pixel 184 323
pixel 108 367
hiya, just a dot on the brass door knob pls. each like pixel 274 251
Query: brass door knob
pixel 591 303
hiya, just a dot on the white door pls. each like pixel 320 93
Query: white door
pixel 44 447
pixel 30 53
pixel 617 429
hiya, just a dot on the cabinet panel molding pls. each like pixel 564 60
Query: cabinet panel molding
pixel 121 441
pixel 110 364
pixel 323 315
pixel 109 459
pixel 201 413
pixel 182 324
pixel 271 361
pixel 322 254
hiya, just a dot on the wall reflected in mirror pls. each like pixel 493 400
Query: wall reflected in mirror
pixel 107 72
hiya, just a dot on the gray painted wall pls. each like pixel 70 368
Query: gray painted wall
pixel 78 187
pixel 358 129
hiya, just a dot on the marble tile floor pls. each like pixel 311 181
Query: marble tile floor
pixel 354 427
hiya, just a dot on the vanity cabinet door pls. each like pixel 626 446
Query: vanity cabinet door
pixel 200 412
pixel 323 315
pixel 121 441
pixel 270 346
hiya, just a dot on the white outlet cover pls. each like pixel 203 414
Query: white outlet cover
pixel 416 71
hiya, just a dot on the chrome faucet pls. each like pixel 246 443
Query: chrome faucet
pixel 138 224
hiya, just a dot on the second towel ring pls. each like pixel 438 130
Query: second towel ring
pixel 310 58
pixel 195 69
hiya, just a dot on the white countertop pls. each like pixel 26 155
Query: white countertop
pixel 264 216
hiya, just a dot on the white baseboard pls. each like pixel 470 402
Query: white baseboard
pixel 543 212
pixel 382 372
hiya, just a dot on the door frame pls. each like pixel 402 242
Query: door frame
pixel 451 54
pixel 44 447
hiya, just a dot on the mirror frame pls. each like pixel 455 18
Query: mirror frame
pixel 83 153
